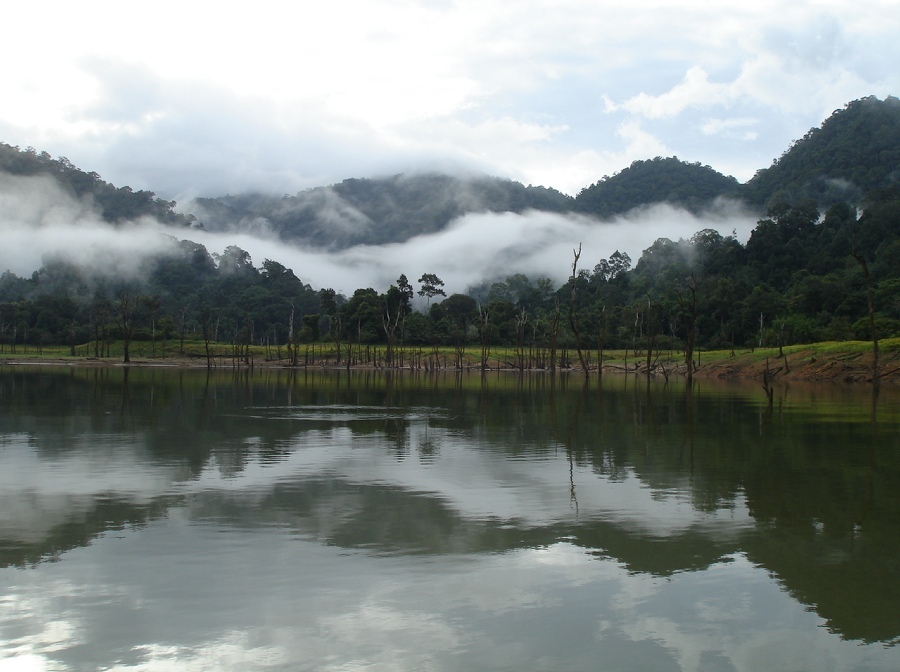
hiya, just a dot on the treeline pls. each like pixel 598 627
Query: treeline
pixel 185 294
pixel 800 278
pixel 825 251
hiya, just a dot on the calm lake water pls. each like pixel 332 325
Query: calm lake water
pixel 161 520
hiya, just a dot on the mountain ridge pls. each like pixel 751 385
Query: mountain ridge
pixel 854 153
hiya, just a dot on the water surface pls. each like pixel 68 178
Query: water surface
pixel 276 520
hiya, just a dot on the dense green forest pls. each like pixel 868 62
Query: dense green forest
pixel 816 261
pixel 853 155
pixel 687 185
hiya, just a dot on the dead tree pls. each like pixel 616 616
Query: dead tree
pixel 573 315
pixel 871 305
pixel 484 316
pixel 687 306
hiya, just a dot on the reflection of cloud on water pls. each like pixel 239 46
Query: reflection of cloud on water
pixel 35 627
pixel 38 491
pixel 235 650
pixel 380 636
pixel 342 413
pixel 743 622
pixel 481 484
pixel 524 609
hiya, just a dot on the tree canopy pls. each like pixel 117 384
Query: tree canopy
pixel 819 251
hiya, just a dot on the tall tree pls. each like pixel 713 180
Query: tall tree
pixel 431 286
pixel 126 308
pixel 328 302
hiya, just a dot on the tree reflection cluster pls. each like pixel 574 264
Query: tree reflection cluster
pixel 817 481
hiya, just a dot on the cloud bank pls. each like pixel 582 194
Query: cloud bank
pixel 38 220
pixel 283 98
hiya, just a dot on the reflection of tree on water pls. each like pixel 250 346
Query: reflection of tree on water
pixel 824 532
pixel 126 417
pixel 689 420
pixel 869 499
pixel 567 439
pixel 428 447
pixel 823 494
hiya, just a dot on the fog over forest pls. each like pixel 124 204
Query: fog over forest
pixel 40 220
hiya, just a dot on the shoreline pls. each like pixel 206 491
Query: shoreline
pixel 799 363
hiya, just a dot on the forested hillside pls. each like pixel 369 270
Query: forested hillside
pixel 806 273
pixel 688 185
pixel 114 204
pixel 854 153
pixel 375 211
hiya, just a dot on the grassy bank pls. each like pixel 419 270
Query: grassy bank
pixel 846 361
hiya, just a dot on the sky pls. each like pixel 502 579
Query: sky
pixel 203 99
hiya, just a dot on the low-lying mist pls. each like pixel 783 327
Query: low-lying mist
pixel 38 219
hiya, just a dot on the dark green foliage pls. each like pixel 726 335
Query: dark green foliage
pixel 689 185
pixel 185 290
pixel 855 152
pixel 797 279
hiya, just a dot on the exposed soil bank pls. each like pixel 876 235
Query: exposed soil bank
pixel 807 364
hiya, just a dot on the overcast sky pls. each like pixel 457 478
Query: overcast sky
pixel 201 98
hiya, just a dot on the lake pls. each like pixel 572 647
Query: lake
pixel 163 519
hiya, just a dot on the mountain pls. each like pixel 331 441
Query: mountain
pixel 394 209
pixel 113 204
pixel 800 277
pixel 854 153
pixel 853 156
pixel 688 185
pixel 375 211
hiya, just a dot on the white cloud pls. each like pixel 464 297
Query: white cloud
pixel 38 219
pixel 194 96
pixel 731 127
pixel 694 91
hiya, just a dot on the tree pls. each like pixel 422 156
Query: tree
pixel 126 309
pixel 461 309
pixel 406 291
pixel 687 307
pixel 209 317
pixel 396 307
pixel 861 260
pixel 573 316
pixel 328 302
pixel 431 286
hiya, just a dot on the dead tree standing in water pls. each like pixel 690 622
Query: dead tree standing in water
pixel 573 316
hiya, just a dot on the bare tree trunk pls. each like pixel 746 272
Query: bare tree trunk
pixel 871 305
pixel 554 335
pixel 688 308
pixel 573 316
pixel 485 316
pixel 126 311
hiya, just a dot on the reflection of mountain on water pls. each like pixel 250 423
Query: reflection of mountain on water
pixel 77 529
pixel 655 480
pixel 834 539
pixel 385 520
pixel 850 578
